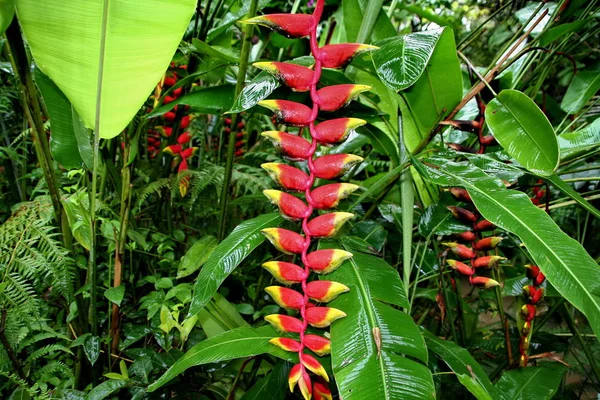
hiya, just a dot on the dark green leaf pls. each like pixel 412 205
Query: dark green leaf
pixel 256 90
pixel 219 316
pixel 371 232
pixel 196 256
pixel 273 386
pixel 573 144
pixel 583 86
pixel 115 294
pixel 210 100
pixel 523 130
pixel 569 191
pixel 7 11
pixel 105 389
pixel 228 255
pixel 560 31
pixel 539 383
pixel 439 221
pixel 474 386
pixel 91 348
pixel 215 51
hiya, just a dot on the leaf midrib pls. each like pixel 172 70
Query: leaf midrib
pixel 522 387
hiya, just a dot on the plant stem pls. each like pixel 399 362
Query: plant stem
pixel 241 79
pixel 368 22
pixel 586 349
pixel 407 202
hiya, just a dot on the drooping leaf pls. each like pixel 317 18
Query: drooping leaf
pixel 237 343
pixel 273 386
pixel 196 256
pixel 106 51
pixel 105 389
pixel 523 130
pixel 566 264
pixel 115 294
pixel 228 255
pixel 538 383
pixel 573 144
pixel 219 316
pixel 401 60
pixel 581 89
pixel 7 11
pixel 459 360
pixel 369 343
pixel 210 100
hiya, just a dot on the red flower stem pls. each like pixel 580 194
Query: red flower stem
pixel 314 47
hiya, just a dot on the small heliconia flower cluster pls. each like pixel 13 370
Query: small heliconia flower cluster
pixel 538 192
pixel 240 144
pixel 533 294
pixel 474 254
pixel 295 147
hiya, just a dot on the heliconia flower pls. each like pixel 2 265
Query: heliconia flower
pixel 183 166
pixel 321 391
pixel 284 272
pixel 286 297
pixel 526 328
pixel 340 55
pixel 532 271
pixel 292 146
pixel 289 177
pixel 539 279
pixel 173 149
pixel 523 360
pixel 336 130
pixel 468 236
pixel 170 116
pixel 300 377
pixel 319 345
pixel 540 194
pixel 170 81
pixel 313 365
pixel 296 77
pixel 460 250
pixel 533 294
pixel 488 140
pixel 284 240
pixel 486 262
pixel 528 312
pixel 524 344
pixel 327 225
pixel 460 194
pixel 326 261
pixel 289 112
pixel 165 131
pixel 184 181
pixel 332 98
pixel 287 344
pixel 169 99
pixel 482 282
pixel 325 291
pixel 285 323
pixel 487 243
pixel 462 214
pixel 484 225
pixel 291 207
pixel 184 138
pixel 289 25
pixel 329 196
pixel 187 153
pixel 334 165
pixel 322 317
pixel 185 122
pixel 462 268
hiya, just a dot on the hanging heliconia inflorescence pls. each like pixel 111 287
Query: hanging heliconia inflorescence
pixel 295 147
pixel 475 251
pixel 533 293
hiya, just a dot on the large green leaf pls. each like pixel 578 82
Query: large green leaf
pixel 573 144
pixel 256 90
pixel 106 389
pixel 210 100
pixel 539 383
pixel 566 264
pixel 353 16
pixel 196 256
pixel 524 131
pixel 228 255
pixel 459 360
pixel 106 56
pixel 7 11
pixel 273 386
pixel 237 343
pixel 434 95
pixel 437 220
pixel 583 86
pixel 401 60
pixel 369 344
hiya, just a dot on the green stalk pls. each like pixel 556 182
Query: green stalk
pixel 586 349
pixel 368 22
pixel 407 202
pixel 241 79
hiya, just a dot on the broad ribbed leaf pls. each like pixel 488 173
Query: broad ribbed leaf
pixel 581 89
pixel 573 144
pixel 354 12
pixel 524 131
pixel 539 383
pixel 228 255
pixel 459 360
pixel 273 386
pixel 256 90
pixel 7 11
pixel 401 60
pixel 436 220
pixel 196 256
pixel 113 52
pixel 474 386
pixel 237 343
pixel 566 264
pixel 367 346
pixel 210 100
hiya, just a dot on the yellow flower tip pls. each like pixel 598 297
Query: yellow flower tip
pixel 265 66
pixel 274 135
pixel 273 195
pixel 354 123
pixel 354 159
pixel 270 167
pixel 270 104
pixel 357 89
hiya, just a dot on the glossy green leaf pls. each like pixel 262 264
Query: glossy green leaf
pixel 560 31
pixel 228 255
pixel 401 60
pixel 569 191
pixel 219 316
pixel 237 343
pixel 274 386
pixel 106 389
pixel 115 294
pixel 111 52
pixel 79 218
pixel 523 130
pixel 215 51
pixel 460 361
pixel 573 144
pixel 539 383
pixel 437 220
pixel 371 232
pixel 232 17
pixel 367 346
pixel 7 11
pixel 196 256
pixel 210 100
pixel 566 264
pixel 91 348
pixel 256 90
pixel 514 287
pixel 581 89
